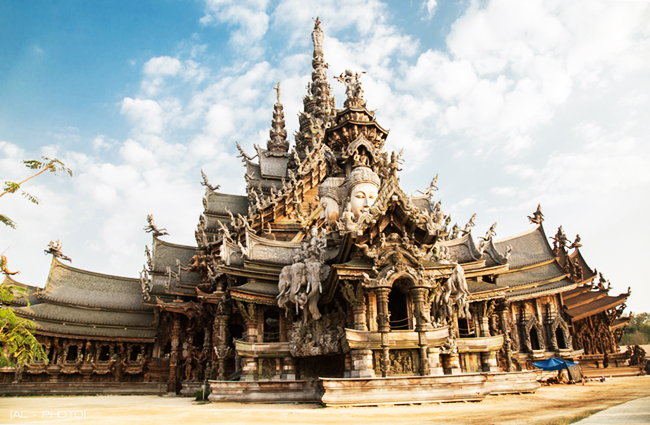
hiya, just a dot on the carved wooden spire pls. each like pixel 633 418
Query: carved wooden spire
pixel 319 104
pixel 278 141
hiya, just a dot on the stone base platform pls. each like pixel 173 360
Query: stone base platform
pixel 266 391
pixel 403 390
pixel 376 391
pixel 512 382
pixel 191 387
pixel 83 388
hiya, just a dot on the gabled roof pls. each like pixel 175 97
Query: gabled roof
pixel 596 306
pixel 67 285
pixel 216 203
pixel 463 249
pixel 165 255
pixel 587 273
pixel 77 315
pixel 528 248
pixel 394 208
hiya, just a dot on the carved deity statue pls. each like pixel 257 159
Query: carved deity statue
pixel 352 84
pixel 330 197
pixel 363 186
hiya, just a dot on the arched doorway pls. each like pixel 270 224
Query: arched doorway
pixel 398 306
pixel 534 339
pixel 559 337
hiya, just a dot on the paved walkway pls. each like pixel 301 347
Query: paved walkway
pixel 627 401
pixel 632 412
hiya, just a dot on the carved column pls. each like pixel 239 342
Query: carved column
pixel 383 318
pixel 359 312
pixel 288 369
pixel 489 361
pixel 173 357
pixel 451 363
pixel 418 295
pixel 371 312
pixel 357 299
pixel 484 320
pixel 503 317
pixel 435 368
pixel 249 364
pixel 221 344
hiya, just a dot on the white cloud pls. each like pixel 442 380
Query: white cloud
pixel 249 16
pixel 430 6
pixel 145 114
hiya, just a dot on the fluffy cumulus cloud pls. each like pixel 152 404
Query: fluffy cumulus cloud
pixel 429 7
pixel 247 19
pixel 536 101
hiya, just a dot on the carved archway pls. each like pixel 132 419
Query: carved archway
pixel 533 335
pixel 559 334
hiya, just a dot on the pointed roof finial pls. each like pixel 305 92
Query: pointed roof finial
pixel 537 216
pixel 277 89
pixel 278 134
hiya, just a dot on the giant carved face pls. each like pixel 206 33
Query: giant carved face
pixel 362 196
pixel 330 209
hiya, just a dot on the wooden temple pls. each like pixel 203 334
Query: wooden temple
pixel 327 283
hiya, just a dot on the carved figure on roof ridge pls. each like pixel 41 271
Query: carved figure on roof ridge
pixel 207 184
pixel 55 250
pixel 576 243
pixel 537 216
pixel 152 228
pixel 432 187
pixel 469 225
pixel 352 84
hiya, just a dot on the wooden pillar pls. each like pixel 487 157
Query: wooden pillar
pixel 173 357
pixel 383 317
pixel 359 313
pixel 288 369
pixel 371 311
pixel 435 368
pixel 417 296
pixel 220 342
pixel 503 316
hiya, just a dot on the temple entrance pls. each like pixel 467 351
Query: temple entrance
pixel 398 307
pixel 271 326
pixel 561 340
pixel 534 339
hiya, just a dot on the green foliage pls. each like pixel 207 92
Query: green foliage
pixel 52 165
pixel 17 340
pixel 637 331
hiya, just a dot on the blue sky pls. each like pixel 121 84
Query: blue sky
pixel 512 103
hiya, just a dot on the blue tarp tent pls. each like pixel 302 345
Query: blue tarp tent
pixel 553 364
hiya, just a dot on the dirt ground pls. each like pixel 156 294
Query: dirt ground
pixel 560 404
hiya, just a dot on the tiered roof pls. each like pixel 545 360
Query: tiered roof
pixel 79 304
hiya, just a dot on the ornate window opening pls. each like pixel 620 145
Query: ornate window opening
pixel 534 339
pixel 398 306
pixel 466 328
pixel 533 335
pixel 104 353
pixel 559 337
pixel 136 354
pixel 71 354
pixel 271 326
pixel 167 351
pixel 236 333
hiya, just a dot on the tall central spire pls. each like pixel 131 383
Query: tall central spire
pixel 319 104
